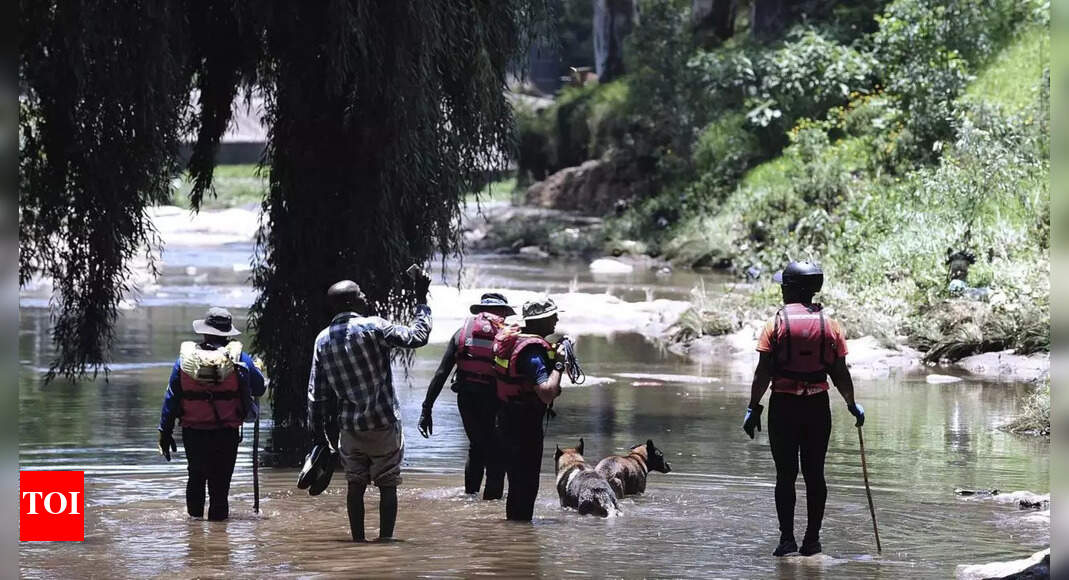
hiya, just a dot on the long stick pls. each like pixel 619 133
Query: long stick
pixel 256 463
pixel 868 492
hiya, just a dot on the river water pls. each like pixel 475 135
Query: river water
pixel 713 516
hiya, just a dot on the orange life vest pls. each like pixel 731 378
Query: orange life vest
pixel 211 394
pixel 804 349
pixel 475 349
pixel 508 344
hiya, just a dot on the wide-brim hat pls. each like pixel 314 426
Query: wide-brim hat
pixel 542 308
pixel 217 322
pixel 491 300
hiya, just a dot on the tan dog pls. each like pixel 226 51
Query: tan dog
pixel 626 474
pixel 580 486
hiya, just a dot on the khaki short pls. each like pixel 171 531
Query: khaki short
pixel 373 456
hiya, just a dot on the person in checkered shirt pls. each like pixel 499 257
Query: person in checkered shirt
pixel 351 373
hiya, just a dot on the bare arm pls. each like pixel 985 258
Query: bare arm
pixel 440 375
pixel 840 376
pixel 762 376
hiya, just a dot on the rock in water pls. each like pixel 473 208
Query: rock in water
pixel 1034 568
pixel 610 266
pixel 940 379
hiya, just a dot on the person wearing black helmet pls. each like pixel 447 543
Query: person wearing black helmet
pixel 800 349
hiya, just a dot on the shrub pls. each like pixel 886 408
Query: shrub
pixel 927 48
pixel 724 151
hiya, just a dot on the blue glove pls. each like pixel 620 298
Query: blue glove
pixel 752 420
pixel 858 411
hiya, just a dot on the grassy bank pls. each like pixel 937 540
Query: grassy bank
pixel 243 185
pixel 234 186
pixel 878 138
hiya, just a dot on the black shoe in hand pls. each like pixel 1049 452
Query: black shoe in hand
pixel 786 546
pixel 810 546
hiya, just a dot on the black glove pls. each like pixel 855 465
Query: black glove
pixel 426 423
pixel 166 445
pixel 857 411
pixel 423 284
pixel 752 420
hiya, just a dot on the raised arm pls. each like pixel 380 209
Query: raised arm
pixel 415 336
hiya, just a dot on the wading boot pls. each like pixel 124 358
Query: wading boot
pixel 787 545
pixel 810 546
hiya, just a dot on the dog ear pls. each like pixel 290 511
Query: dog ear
pixel 649 445
pixel 557 455
pixel 580 448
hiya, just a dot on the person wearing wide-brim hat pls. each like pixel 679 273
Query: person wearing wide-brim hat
pixel 211 392
pixel 475 385
pixel 529 371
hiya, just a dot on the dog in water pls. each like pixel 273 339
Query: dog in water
pixel 626 474
pixel 580 486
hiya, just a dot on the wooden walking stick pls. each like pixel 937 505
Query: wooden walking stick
pixel 868 492
pixel 256 460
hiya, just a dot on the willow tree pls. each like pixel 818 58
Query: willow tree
pixel 381 116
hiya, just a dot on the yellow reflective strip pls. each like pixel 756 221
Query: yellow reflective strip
pixel 501 362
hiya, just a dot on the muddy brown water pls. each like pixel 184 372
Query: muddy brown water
pixel 712 517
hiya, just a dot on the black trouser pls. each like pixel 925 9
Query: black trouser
pixel 211 454
pixel 478 407
pixel 799 426
pixel 520 428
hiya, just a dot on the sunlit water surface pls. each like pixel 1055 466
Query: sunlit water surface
pixel 712 517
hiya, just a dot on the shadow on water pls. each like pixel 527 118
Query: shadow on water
pixel 713 516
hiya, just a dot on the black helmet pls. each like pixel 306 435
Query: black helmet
pixel 805 276
pixel 318 469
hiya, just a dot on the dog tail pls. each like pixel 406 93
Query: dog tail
pixel 599 501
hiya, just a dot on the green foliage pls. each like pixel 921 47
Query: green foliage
pixel 805 77
pixel 663 95
pixel 232 186
pixel 725 150
pixel 927 50
pixel 1001 81
pixel 1034 418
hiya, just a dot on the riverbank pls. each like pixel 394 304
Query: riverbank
pixel 492 228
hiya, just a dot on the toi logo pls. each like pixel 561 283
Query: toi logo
pixel 51 506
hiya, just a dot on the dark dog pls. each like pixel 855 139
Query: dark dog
pixel 579 486
pixel 626 474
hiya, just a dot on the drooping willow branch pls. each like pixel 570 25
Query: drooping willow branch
pixel 382 116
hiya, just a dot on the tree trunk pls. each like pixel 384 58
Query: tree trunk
pixel 613 20
pixel 713 20
pixel 768 19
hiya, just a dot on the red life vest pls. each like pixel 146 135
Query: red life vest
pixel 475 348
pixel 508 344
pixel 211 395
pixel 804 349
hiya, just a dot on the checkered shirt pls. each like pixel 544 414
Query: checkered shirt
pixel 351 369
